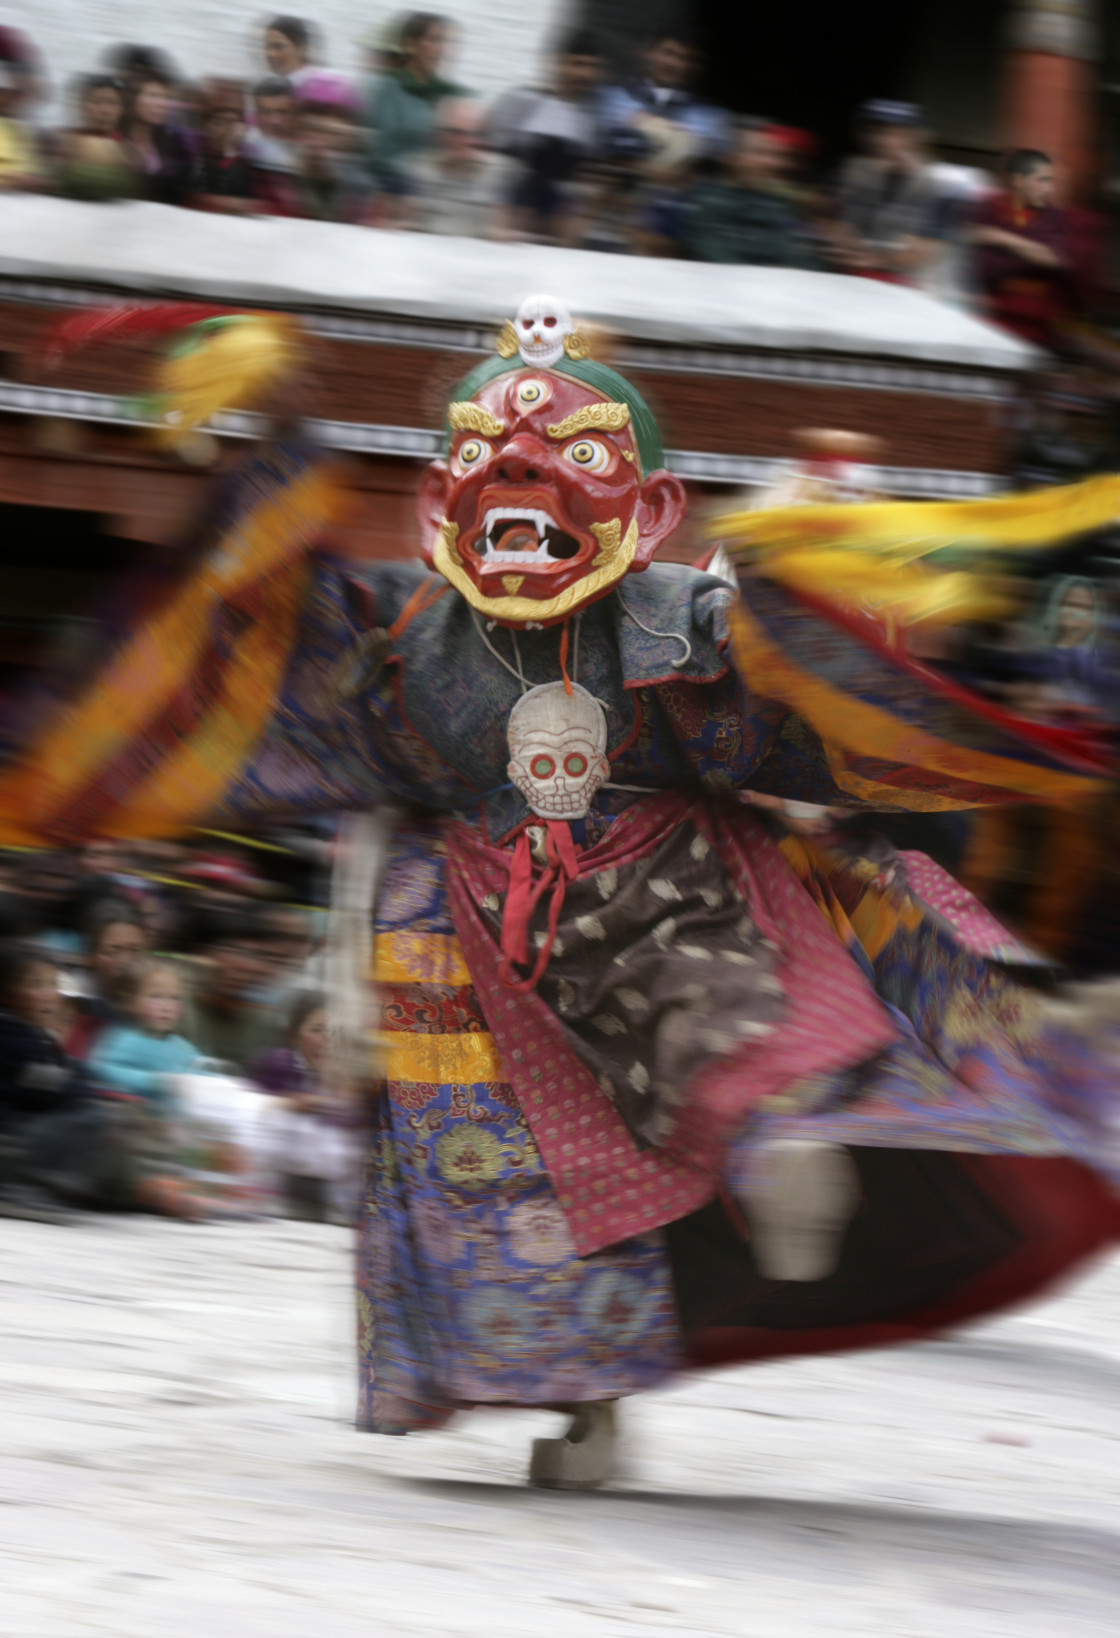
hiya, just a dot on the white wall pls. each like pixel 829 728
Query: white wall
pixel 499 44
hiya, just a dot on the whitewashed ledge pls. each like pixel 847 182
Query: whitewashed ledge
pixel 153 250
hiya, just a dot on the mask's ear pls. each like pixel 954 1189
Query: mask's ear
pixel 660 508
pixel 431 503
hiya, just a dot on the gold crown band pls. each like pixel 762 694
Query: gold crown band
pixel 603 417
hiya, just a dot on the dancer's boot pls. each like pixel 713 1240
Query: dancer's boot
pixel 583 1457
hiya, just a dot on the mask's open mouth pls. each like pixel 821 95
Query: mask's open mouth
pixel 521 536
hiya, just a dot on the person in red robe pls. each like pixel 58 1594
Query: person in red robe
pixel 1025 260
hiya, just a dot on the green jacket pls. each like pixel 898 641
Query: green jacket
pixel 400 114
pixel 746 226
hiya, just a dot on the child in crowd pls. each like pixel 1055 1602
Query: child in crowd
pixel 315 1152
pixel 137 1058
pixel 138 1055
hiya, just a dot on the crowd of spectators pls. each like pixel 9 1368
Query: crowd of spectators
pixel 149 993
pixel 586 158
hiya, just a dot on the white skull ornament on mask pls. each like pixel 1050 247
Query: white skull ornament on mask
pixel 542 325
pixel 557 745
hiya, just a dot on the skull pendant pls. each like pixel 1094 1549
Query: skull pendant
pixel 542 324
pixel 557 748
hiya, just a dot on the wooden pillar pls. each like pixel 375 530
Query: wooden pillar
pixel 1050 86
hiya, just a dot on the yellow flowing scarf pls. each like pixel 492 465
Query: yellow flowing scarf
pixel 912 562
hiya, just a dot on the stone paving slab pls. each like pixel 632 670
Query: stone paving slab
pixel 174 1408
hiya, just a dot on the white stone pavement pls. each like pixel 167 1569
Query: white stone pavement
pixel 176 1460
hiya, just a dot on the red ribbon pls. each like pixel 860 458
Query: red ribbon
pixel 525 894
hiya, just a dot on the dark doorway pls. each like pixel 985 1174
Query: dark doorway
pixel 808 63
pixel 60 579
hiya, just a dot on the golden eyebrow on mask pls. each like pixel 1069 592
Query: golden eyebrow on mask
pixel 604 417
pixel 467 417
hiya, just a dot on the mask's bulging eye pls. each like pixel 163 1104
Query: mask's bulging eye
pixel 589 454
pixel 471 451
pixel 575 764
pixel 531 394
pixel 542 767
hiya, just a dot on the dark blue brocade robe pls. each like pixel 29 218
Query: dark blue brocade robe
pixel 550 1206
pixel 973 1122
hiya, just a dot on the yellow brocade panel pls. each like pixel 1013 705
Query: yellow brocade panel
pixel 442 1060
pixel 424 958
pixel 439 1059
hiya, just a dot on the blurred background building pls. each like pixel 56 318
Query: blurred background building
pixel 734 369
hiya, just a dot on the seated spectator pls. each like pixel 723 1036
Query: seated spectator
pixel 313 1141
pixel 222 880
pixel 550 132
pixel 1075 666
pixel 748 219
pixel 794 180
pixel 270 144
pixel 221 177
pixel 158 151
pixel 21 168
pixel 665 134
pixel 288 49
pixel 1024 262
pixel 890 219
pixel 287 945
pixel 326 184
pixel 402 105
pixel 57 1145
pixel 452 187
pixel 46 886
pixel 92 160
pixel 223 1016
pixel 116 942
pixel 136 1054
pixel 139 1057
pixel 99 881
